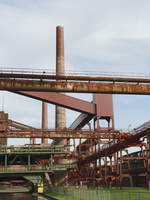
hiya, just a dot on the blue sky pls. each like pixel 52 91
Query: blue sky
pixel 109 36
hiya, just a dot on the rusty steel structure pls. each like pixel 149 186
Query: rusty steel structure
pixel 99 153
pixel 102 159
pixel 3 126
pixel 90 151
pixel 56 133
pixel 130 86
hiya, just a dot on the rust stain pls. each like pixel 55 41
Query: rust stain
pixel 59 86
pixel 42 134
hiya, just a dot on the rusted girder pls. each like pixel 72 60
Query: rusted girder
pixel 69 131
pixel 61 134
pixel 76 87
pixel 135 158
pixel 62 100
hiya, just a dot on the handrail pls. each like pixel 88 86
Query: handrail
pixel 4 70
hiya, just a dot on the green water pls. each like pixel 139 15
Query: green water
pixel 17 196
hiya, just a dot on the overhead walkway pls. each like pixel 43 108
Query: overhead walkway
pixel 20 81
pixel 30 160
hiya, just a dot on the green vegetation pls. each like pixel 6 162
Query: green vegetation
pixel 100 194
pixel 60 196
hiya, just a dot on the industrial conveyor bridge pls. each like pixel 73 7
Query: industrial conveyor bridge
pixel 104 83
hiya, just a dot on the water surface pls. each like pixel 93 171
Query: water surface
pixel 17 196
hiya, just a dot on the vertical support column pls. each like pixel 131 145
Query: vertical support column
pixel 80 148
pixel 6 162
pixel 74 145
pixel 111 164
pixel 51 159
pixel 29 162
pixel 105 167
pixel 100 167
pixel 148 162
pixel 115 167
pixel 120 179
pixel 44 120
pixel 32 140
pixel 4 126
pixel 118 170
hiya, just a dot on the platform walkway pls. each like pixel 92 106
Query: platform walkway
pixel 31 159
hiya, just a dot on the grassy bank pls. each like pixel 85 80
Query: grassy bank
pixel 100 194
pixel 60 196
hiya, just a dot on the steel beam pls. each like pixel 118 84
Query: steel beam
pixel 18 125
pixel 61 135
pixel 62 100
pixel 74 87
pixel 44 122
pixel 134 158
pixel 66 130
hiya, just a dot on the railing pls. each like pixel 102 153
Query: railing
pixel 35 168
pixel 31 149
pixel 47 71
pixel 62 166
pixel 23 169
